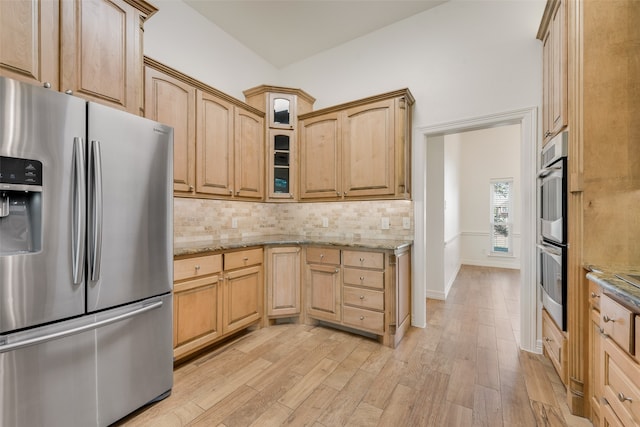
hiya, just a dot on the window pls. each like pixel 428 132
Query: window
pixel 501 216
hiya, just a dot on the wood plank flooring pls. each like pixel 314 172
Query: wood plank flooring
pixel 463 369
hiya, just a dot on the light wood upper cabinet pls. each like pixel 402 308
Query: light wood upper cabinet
pixel 368 149
pixel 249 154
pixel 214 145
pixel 171 101
pixel 29 41
pixel 358 150
pixel 320 158
pixel 218 140
pixel 553 33
pixel 91 48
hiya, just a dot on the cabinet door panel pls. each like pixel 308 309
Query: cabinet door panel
pixel 29 41
pixel 249 162
pixel 242 303
pixel 323 284
pixel 197 313
pixel 214 145
pixel 320 160
pixel 368 149
pixel 100 52
pixel 283 282
pixel 172 102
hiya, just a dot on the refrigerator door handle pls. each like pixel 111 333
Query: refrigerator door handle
pixel 95 210
pixel 78 233
pixel 4 348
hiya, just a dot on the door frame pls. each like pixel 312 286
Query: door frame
pixel 527 118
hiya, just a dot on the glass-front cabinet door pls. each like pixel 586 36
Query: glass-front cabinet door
pixel 282 111
pixel 282 164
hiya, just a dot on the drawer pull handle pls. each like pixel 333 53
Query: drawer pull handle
pixel 361 259
pixel 362 318
pixel 245 259
pixel 607 319
pixel 594 295
pixel 622 398
pixel 361 296
pixel 197 267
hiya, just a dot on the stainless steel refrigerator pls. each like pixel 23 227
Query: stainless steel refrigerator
pixel 86 253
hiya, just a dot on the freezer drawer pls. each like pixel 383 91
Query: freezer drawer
pixel 89 371
pixel 135 361
pixel 52 383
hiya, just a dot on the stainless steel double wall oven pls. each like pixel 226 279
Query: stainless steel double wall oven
pixel 553 228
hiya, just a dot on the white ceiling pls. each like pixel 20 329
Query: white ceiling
pixel 286 31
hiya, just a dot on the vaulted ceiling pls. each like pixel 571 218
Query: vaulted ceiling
pixel 287 31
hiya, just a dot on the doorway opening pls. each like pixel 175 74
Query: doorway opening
pixel 429 243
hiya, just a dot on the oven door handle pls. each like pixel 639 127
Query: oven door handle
pixel 548 171
pixel 552 252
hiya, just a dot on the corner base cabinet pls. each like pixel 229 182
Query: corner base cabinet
pixel 365 291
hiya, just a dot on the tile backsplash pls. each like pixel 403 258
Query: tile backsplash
pixel 203 219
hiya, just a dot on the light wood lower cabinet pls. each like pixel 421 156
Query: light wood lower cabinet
pixel 214 296
pixel 364 290
pixel 323 284
pixel 283 293
pixel 554 344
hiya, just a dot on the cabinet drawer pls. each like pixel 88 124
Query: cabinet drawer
pixel 595 295
pixel 368 278
pixel 609 418
pixel 241 259
pixel 363 259
pixel 618 323
pixel 363 319
pixel 323 256
pixel 195 267
pixel 621 378
pixel 363 298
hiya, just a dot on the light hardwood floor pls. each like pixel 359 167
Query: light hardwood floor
pixel 463 369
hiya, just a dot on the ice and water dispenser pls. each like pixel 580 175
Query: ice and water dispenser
pixel 20 205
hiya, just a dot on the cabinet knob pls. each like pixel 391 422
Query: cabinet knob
pixel 191 188
pixel 321 256
pixel 547 339
pixel 68 92
pixel 622 397
pixel 361 296
pixel 344 194
pixel 361 260
pixel 47 85
pixel 337 193
pixel 231 191
pixel 197 267
pixel 607 319
pixel 245 259
pixel 547 133
pixel 361 279
pixel 361 317
pixel 337 270
pixel 594 295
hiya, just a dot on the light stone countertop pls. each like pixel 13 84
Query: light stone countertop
pixel 606 277
pixel 205 246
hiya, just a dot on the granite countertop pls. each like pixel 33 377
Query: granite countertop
pixel 606 277
pixel 203 246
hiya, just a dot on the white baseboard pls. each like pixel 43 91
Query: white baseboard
pixel 436 295
pixel 447 287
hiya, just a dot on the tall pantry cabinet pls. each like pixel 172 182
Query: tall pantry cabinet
pixel 92 49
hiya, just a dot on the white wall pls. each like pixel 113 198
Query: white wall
pixel 461 59
pixel 452 209
pixel 478 165
pixel 181 38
